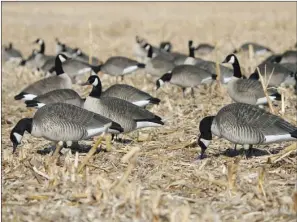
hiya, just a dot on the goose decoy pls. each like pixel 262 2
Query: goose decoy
pixel 281 76
pixel 130 94
pixel 245 124
pixel 204 49
pixel 120 66
pixel 258 49
pixel 186 76
pixel 209 66
pixel 61 122
pixel 248 91
pixel 56 96
pixel 63 48
pixel 9 53
pixel 128 115
pixel 40 57
pixel 60 81
pixel 289 56
pixel 82 56
pixel 157 66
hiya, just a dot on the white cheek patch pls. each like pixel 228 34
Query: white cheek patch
pixel 28 97
pixel 18 137
pixel 40 41
pixel 62 59
pixel 166 47
pixel 205 142
pixel 232 60
pixel 95 83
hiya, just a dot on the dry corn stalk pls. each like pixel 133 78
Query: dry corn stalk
pixel 261 180
pixel 232 173
pixel 251 56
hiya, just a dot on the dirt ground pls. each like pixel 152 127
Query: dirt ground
pixel 161 181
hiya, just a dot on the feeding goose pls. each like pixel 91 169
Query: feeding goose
pixel 130 94
pixel 157 66
pixel 248 91
pixel 60 81
pixel 56 96
pixel 128 115
pixel 281 76
pixel 186 76
pixel 245 124
pixel 258 49
pixel 82 56
pixel 61 122
pixel 9 53
pixel 120 66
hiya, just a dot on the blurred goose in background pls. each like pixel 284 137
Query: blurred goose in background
pixel 186 76
pixel 56 96
pixel 289 56
pixel 63 48
pixel 245 124
pixel 40 58
pixel 119 66
pixel 204 49
pixel 61 122
pixel 166 45
pixel 82 56
pixel 281 76
pixel 128 115
pixel 248 91
pixel 60 81
pixel 9 53
pixel 157 66
pixel 258 49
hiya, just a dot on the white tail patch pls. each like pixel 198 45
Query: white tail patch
pixel 141 103
pixel 28 97
pixel 96 131
pixel 263 100
pixel 84 70
pixel 278 138
pixel 143 124
pixel 18 137
pixel 161 82
pixel 95 83
pixel 130 69
pixel 39 105
pixel 207 80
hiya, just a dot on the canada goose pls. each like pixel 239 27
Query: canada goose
pixel 209 66
pixel 290 66
pixel 120 66
pixel 245 124
pixel 280 76
pixel 186 76
pixel 289 56
pixel 60 81
pixel 130 94
pixel 128 115
pixel 258 49
pixel 61 122
pixel 204 49
pixel 275 58
pixel 167 46
pixel 75 69
pixel 158 65
pixel 248 91
pixel 30 61
pixel 40 58
pixel 82 56
pixel 63 48
pixel 9 53
pixel 56 96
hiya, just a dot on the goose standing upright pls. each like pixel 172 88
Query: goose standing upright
pixel 248 91
pixel 41 58
pixel 245 124
pixel 61 122
pixel 128 115
pixel 60 81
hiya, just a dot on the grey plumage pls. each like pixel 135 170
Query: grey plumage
pixel 258 49
pixel 9 53
pixel 204 49
pixel 82 56
pixel 56 96
pixel 63 122
pixel 289 56
pixel 247 125
pixel 128 115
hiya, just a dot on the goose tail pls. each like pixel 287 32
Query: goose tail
pixel 294 134
pixel 154 100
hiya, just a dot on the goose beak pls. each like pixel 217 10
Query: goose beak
pixel 85 84
pixel 14 147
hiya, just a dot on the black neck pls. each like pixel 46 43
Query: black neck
pixel 236 69
pixel 10 45
pixel 58 66
pixel 23 125
pixel 96 90
pixel 191 51
pixel 166 77
pixel 150 52
pixel 42 48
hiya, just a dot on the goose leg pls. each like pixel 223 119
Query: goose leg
pixel 192 93
pixel 184 92
pixel 235 145
pixel 122 78
pixel 249 152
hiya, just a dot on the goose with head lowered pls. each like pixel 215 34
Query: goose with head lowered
pixel 128 115
pixel 245 124
pixel 61 122
pixel 9 53
pixel 248 91
pixel 60 81
pixel 186 76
